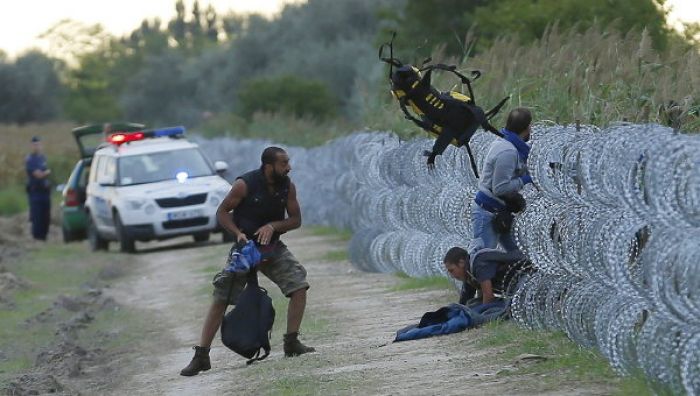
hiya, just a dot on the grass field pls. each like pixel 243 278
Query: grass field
pixel 562 356
pixel 51 272
pixel 61 154
pixel 13 199
pixel 428 282
pixel 279 128
pixel 344 235
pixel 59 146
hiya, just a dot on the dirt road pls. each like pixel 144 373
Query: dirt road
pixel 351 319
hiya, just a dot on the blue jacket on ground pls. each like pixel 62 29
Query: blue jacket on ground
pixel 451 319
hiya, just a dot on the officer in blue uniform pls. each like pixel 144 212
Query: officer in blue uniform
pixel 39 190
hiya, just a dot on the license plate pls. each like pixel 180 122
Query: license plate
pixel 185 214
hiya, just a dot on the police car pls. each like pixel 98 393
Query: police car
pixel 152 185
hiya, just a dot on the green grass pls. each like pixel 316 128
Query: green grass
pixel 313 325
pixel 13 200
pixel 114 329
pixel 344 235
pixel 51 271
pixel 565 359
pixel 53 268
pixel 279 128
pixel 210 270
pixel 292 385
pixel 204 291
pixel 305 376
pixel 430 282
pixel 216 254
pixel 336 255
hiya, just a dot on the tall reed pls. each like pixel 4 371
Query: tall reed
pixel 59 146
pixel 596 76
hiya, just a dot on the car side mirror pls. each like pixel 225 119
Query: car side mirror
pixel 220 166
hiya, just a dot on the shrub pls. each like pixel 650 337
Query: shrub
pixel 13 199
pixel 289 95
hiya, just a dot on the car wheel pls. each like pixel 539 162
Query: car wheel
pixel 94 239
pixel 67 235
pixel 201 237
pixel 227 237
pixel 126 243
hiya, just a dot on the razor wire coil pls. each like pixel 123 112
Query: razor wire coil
pixel 612 226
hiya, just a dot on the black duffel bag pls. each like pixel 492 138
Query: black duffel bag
pixel 503 220
pixel 246 328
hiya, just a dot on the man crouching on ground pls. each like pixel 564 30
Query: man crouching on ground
pixel 488 271
pixel 259 200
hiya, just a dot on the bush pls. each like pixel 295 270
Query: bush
pixel 30 89
pixel 224 124
pixel 13 199
pixel 288 95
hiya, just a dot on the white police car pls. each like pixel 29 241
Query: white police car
pixel 152 185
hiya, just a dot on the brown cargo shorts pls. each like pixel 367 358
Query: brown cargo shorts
pixel 280 266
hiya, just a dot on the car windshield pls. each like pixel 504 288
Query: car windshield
pixel 165 165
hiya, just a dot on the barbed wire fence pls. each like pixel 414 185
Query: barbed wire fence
pixel 612 226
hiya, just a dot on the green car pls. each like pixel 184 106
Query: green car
pixel 89 138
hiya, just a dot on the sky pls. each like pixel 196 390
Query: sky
pixel 24 20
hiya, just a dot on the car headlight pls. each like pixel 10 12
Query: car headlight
pixel 135 203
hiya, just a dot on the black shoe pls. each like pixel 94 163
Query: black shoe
pixel 200 362
pixel 294 347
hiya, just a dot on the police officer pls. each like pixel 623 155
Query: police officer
pixel 39 190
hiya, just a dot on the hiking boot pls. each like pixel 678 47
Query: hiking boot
pixel 294 347
pixel 200 362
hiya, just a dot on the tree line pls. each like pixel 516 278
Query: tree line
pixel 316 59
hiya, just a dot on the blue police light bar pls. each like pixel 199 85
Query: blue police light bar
pixel 170 131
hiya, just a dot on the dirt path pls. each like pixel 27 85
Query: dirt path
pixel 351 319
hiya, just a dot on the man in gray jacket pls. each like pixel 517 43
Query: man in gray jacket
pixel 503 174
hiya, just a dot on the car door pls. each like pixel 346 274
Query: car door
pixel 101 191
pixel 90 137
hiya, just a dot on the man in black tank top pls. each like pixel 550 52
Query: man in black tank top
pixel 264 205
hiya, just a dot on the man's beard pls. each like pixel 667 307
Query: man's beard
pixel 279 179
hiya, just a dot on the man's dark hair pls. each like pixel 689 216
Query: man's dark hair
pixel 518 120
pixel 269 155
pixel 455 254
